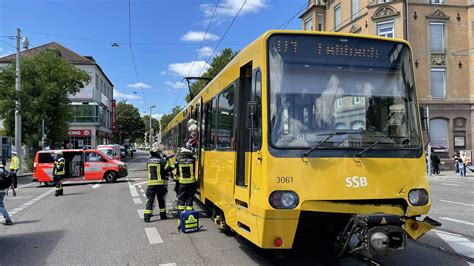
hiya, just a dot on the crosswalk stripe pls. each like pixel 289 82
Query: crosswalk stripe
pixel 459 244
pixel 140 213
pixel 153 235
pixel 137 201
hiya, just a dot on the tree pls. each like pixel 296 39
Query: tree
pixel 218 63
pixel 129 123
pixel 166 119
pixel 47 80
pixel 155 124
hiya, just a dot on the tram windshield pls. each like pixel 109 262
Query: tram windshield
pixel 319 85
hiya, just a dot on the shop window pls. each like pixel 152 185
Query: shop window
pixel 439 134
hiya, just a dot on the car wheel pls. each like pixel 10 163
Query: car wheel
pixel 110 177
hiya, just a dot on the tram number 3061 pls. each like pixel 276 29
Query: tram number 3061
pixel 356 181
pixel 284 179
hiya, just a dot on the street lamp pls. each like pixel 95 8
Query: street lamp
pixel 151 130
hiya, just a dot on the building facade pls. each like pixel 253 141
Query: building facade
pixel 441 36
pixel 92 108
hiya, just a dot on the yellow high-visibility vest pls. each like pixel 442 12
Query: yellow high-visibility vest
pixel 15 163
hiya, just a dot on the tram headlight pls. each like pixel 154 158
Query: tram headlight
pixel 418 197
pixel 284 199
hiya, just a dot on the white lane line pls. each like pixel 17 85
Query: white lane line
pixel 142 190
pixel 95 186
pixel 140 213
pixel 455 220
pixel 153 235
pixel 167 264
pixel 137 201
pixel 144 195
pixel 29 185
pixel 460 244
pixel 133 190
pixel 29 203
pixel 141 183
pixel 140 186
pixel 460 203
pixel 454 185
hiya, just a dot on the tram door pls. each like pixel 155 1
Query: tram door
pixel 243 141
pixel 200 161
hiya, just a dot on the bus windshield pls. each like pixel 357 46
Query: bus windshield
pixel 361 88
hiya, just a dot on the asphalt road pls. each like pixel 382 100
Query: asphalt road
pixel 98 223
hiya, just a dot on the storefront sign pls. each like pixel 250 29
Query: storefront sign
pixel 114 122
pixel 78 133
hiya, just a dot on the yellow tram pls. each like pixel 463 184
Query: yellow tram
pixel 313 132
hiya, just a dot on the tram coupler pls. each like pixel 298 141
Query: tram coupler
pixel 373 235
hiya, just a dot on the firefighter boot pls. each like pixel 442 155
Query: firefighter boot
pixel 163 216
pixel 61 192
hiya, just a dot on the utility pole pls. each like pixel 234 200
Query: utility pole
pixel 42 134
pixel 17 103
pixel 151 129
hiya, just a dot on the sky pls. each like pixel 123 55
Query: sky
pixel 165 37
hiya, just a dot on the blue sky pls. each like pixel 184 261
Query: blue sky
pixel 166 35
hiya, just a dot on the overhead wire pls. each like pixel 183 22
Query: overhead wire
pixel 199 50
pixel 131 50
pixel 223 36
pixel 284 25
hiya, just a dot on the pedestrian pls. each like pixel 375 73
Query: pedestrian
pixel 59 171
pixel 456 165
pixel 157 184
pixel 187 179
pixel 14 167
pixel 435 162
pixel 461 165
pixel 5 184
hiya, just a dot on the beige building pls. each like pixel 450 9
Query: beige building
pixel 441 35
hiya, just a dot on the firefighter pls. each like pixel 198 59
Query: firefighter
pixel 187 179
pixel 157 184
pixel 59 171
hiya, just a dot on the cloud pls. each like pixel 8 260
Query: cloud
pixel 156 116
pixel 229 8
pixel 182 69
pixel 176 85
pixel 197 36
pixel 163 72
pixel 139 85
pixel 118 94
pixel 205 51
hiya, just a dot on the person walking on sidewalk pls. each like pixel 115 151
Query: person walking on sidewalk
pixel 462 165
pixel 6 183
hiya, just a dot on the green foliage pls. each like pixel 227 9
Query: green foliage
pixel 155 124
pixel 129 123
pixel 47 80
pixel 165 119
pixel 218 63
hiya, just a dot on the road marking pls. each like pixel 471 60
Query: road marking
pixel 454 185
pixel 167 264
pixel 141 183
pixel 455 220
pixel 29 203
pixel 29 185
pixel 144 195
pixel 460 244
pixel 140 213
pixel 137 201
pixel 153 235
pixel 133 190
pixel 460 203
pixel 142 190
pixel 140 186
pixel 95 186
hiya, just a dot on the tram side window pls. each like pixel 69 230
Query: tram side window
pixel 257 98
pixel 210 126
pixel 225 119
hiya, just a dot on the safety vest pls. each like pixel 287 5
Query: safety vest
pixel 154 172
pixel 15 163
pixel 59 168
pixel 186 171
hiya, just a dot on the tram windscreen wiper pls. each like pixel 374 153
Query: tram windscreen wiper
pixel 371 146
pixel 329 136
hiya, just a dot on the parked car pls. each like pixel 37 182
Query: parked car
pixel 113 150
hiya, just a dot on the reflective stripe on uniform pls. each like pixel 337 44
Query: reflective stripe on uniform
pixel 188 179
pixel 148 211
pixel 163 210
pixel 189 208
pixel 154 174
pixel 181 207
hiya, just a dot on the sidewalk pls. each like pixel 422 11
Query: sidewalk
pixel 453 174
